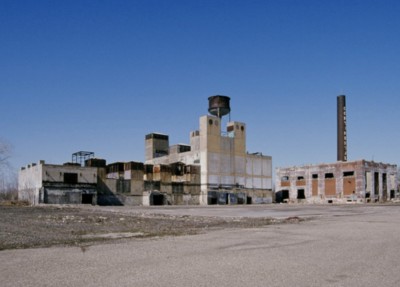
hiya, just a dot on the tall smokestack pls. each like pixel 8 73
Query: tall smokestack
pixel 341 129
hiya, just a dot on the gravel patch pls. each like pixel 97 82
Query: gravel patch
pixel 44 226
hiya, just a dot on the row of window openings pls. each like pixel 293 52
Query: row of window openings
pixel 70 178
pixel 315 176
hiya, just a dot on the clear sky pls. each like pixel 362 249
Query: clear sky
pixel 100 75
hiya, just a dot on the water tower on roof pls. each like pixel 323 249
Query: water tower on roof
pixel 219 105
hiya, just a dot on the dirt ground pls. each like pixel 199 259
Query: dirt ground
pixel 44 226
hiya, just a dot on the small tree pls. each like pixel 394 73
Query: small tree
pixel 8 178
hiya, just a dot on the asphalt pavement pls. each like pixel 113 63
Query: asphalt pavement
pixel 346 245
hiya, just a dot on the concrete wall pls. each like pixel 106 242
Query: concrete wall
pixel 30 182
pixel 47 183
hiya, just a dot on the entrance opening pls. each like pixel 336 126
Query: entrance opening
pixel 301 194
pixel 392 192
pixel 281 196
pixel 249 200
pixel 212 198
pixel 87 198
pixel 157 199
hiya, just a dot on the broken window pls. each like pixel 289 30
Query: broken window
pixel 70 178
pixel 177 169
pixel 177 187
pixel 348 173
pixel 285 178
pixel 329 175
pixel 151 185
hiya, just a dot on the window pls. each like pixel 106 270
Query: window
pixel 315 176
pixel 285 178
pixel 348 173
pixel 329 175
pixel 300 178
pixel 70 178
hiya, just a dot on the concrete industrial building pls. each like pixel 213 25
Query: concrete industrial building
pixel 228 173
pixel 214 168
pixel 57 184
pixel 340 182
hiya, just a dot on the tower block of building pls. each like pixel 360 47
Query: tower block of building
pixel 228 174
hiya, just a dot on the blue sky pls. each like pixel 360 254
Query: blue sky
pixel 100 75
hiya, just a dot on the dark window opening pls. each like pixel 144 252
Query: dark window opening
pixel 87 198
pixel 315 176
pixel 348 173
pixel 300 178
pixel 384 181
pixel 71 178
pixel 160 153
pixel 329 175
pixel 301 194
pixel 152 185
pixel 223 198
pixel 177 187
pixel 241 198
pixel 392 193
pixel 376 186
pixel 178 169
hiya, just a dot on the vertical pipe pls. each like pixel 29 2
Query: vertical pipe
pixel 341 129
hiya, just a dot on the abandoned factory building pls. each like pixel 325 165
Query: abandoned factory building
pixel 57 184
pixel 341 182
pixel 215 168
